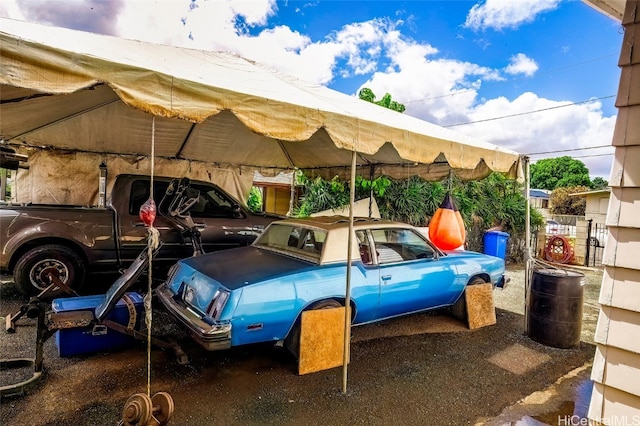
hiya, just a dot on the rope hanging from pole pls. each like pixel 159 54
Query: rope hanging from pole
pixel 143 409
pixel 154 241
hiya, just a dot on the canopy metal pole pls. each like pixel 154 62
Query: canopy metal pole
pixel 527 235
pixel 347 298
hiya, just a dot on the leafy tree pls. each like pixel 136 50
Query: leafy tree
pixel 367 94
pixel 563 203
pixel 254 202
pixel 495 202
pixel 599 183
pixel 552 173
pixel 320 194
pixel 376 187
pixel 489 203
pixel 413 200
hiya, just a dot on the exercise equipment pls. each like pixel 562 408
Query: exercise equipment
pixel 142 410
pixel 177 201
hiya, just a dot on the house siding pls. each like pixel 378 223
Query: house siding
pixel 616 368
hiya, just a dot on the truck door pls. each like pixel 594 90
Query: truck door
pixel 133 233
pixel 222 222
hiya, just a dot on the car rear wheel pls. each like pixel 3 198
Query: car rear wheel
pixel 32 271
pixel 459 309
pixel 292 341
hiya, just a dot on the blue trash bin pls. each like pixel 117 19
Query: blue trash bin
pixel 495 243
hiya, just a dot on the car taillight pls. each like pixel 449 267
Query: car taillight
pixel 217 304
pixel 171 274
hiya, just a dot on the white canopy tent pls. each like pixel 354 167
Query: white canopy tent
pixel 97 94
pixel 74 91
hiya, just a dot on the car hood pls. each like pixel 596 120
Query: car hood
pixel 242 266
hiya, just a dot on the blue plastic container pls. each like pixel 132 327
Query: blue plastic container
pixel 495 243
pixel 77 341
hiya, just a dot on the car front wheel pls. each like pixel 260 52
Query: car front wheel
pixel 459 309
pixel 292 341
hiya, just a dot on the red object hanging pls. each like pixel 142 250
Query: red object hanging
pixel 446 228
pixel 148 212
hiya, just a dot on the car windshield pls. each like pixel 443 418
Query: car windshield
pixel 293 239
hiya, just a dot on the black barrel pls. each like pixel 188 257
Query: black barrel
pixel 555 308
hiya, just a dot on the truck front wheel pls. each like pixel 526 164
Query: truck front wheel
pixel 32 271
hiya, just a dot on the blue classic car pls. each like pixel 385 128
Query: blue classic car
pixel 257 293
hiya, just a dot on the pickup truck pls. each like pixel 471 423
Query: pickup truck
pixel 72 241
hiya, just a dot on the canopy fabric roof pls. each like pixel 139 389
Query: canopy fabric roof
pixel 72 90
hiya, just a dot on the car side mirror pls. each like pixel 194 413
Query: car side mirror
pixel 238 213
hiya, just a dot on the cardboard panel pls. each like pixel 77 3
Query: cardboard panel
pixel 480 308
pixel 321 340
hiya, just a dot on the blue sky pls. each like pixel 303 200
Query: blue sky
pixel 535 76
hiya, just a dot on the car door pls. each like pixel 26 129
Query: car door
pixel 412 275
pixel 365 280
pixel 219 218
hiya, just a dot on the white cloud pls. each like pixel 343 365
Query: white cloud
pixel 445 92
pixel 521 64
pixel 501 14
pixel 215 26
pixel 10 9
pixel 441 90
pixel 85 15
pixel 563 126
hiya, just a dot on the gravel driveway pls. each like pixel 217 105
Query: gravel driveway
pixel 422 369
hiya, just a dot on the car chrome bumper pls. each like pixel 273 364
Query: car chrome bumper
pixel 212 337
pixel 502 282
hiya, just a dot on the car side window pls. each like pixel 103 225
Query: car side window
pixel 212 203
pixel 396 245
pixel 140 194
pixel 364 247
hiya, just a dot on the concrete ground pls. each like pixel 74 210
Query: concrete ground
pixel 567 400
pixel 422 369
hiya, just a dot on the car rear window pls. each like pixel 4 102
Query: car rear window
pixel 294 239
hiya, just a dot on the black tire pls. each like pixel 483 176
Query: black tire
pixel 459 309
pixel 292 341
pixel 31 270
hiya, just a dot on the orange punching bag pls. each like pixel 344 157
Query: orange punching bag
pixel 446 229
